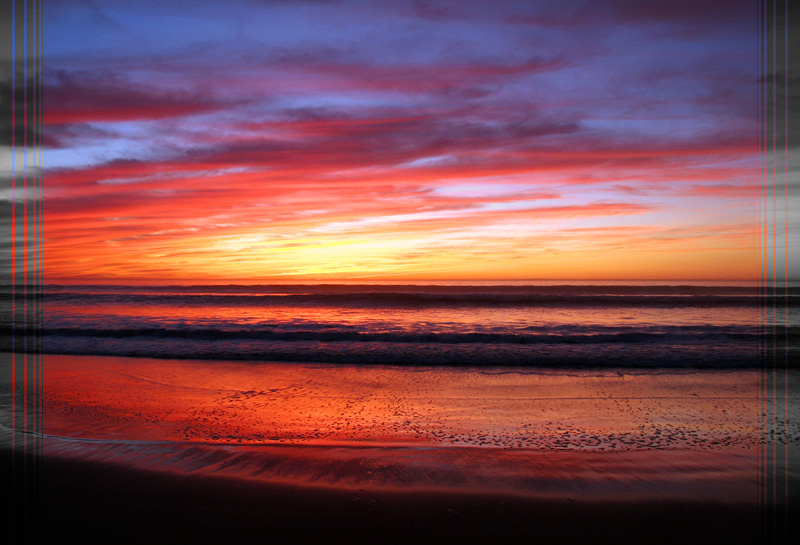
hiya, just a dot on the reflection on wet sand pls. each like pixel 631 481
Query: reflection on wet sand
pixel 586 433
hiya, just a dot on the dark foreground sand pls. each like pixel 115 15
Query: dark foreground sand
pixel 107 503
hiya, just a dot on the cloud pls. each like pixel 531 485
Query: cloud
pixel 20 121
pixel 84 97
pixel 342 135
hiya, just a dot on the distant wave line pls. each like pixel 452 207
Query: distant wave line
pixel 405 299
pixel 675 334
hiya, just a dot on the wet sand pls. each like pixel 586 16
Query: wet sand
pixel 326 404
pixel 200 452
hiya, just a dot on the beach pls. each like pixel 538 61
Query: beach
pixel 155 450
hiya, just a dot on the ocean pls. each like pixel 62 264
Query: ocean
pixel 640 325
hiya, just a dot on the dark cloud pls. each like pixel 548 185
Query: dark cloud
pixel 26 101
pixel 699 14
pixel 20 114
pixel 352 142
pixel 338 69
pixel 81 96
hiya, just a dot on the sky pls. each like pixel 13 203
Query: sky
pixel 255 140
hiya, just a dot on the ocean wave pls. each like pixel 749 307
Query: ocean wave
pixel 599 326
pixel 675 354
pixel 532 335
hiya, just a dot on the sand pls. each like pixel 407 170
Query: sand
pixel 197 452
pixel 107 503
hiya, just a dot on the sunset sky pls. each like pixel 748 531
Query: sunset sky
pixel 253 140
